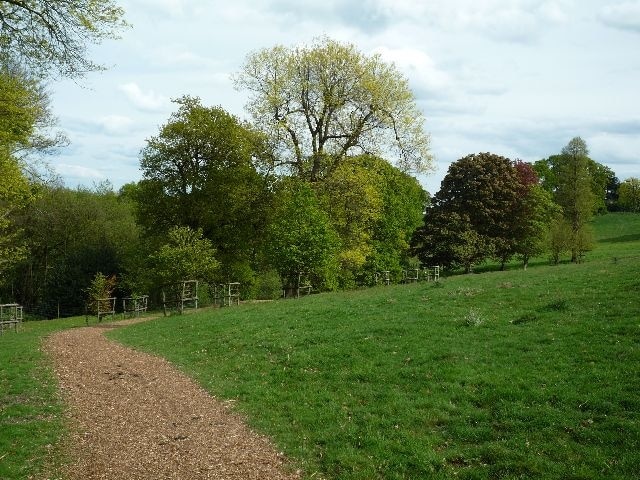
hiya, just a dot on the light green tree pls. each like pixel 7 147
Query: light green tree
pixel 52 37
pixel 629 195
pixel 537 211
pixel 186 256
pixel 15 193
pixel 322 102
pixel 574 193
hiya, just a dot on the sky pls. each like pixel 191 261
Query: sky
pixel 518 78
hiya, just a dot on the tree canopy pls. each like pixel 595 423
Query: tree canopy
pixel 199 172
pixel 51 36
pixel 488 206
pixel 321 103
pixel 629 195
pixel 186 256
pixel 300 239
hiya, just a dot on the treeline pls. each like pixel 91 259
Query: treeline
pixel 304 193
pixel 492 208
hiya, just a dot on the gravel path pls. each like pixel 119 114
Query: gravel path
pixel 134 416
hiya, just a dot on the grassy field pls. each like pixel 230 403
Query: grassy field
pixel 499 375
pixel 31 421
pixel 502 375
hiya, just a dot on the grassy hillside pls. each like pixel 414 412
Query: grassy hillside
pixel 505 374
pixel 501 375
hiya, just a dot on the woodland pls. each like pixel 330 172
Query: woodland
pixel 318 187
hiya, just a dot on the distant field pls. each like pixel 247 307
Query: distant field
pixel 501 375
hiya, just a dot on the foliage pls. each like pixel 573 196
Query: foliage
pixel 559 238
pixel 300 238
pixel 448 239
pixel 353 202
pixel 574 193
pixel 603 181
pixel 53 36
pixel 403 205
pixel 535 215
pixel 199 172
pixel 24 118
pixel 388 382
pixel 101 287
pixel 26 121
pixel 14 194
pixel 374 208
pixel 629 195
pixel 320 103
pixel 187 256
pixel 69 235
pixel 475 213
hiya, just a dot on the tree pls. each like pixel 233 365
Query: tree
pixel 319 104
pixel 374 207
pixel 485 188
pixel 200 172
pixel 604 182
pixel 15 193
pixel 300 238
pixel 101 288
pixel 52 36
pixel 403 205
pixel 629 195
pixel 26 121
pixel 186 256
pixel 559 238
pixel 69 235
pixel 574 192
pixel 532 215
pixel 536 213
pixel 449 239
pixel 487 206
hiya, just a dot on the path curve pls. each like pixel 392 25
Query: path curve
pixel 135 416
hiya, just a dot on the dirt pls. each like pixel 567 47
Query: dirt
pixel 135 416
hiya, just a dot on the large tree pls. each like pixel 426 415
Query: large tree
pixel 321 103
pixel 51 36
pixel 487 207
pixel 26 122
pixel 199 172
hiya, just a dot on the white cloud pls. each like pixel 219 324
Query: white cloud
pixel 174 8
pixel 144 100
pixel 115 123
pixel 417 65
pixel 623 16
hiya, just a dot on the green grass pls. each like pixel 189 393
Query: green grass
pixel 510 374
pixel 30 408
pixel 500 375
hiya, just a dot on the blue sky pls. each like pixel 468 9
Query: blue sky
pixel 518 78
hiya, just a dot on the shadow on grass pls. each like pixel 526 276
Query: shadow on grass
pixel 621 239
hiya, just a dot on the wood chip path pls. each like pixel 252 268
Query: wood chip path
pixel 134 416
